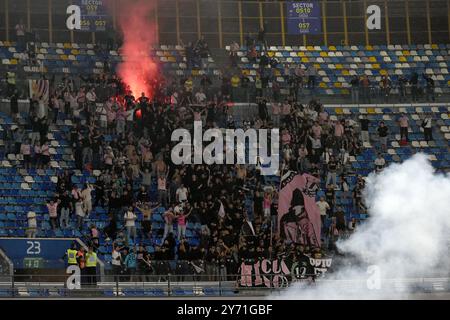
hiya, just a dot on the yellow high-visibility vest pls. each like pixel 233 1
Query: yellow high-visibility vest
pixel 11 78
pixel 91 259
pixel 188 85
pixel 72 256
pixel 235 81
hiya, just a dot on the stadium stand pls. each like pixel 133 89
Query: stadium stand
pixel 337 64
pixel 108 164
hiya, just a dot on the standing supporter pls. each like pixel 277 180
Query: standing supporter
pixel 330 196
pixel 427 125
pixel 429 88
pixel 379 163
pixel 323 208
pixel 110 230
pixel 182 193
pixel 108 159
pixel 414 81
pixel 146 230
pixel 66 208
pixel 276 110
pixel 162 190
pixel 94 236
pixel 52 207
pixel 25 151
pixel 234 49
pixel 130 223
pixel 32 223
pixel 143 263
pixel 35 126
pixel 45 154
pixel 365 87
pixel 404 125
pixel 401 84
pixel 311 71
pixel 130 264
pixel 102 113
pixel 116 262
pixel 364 128
pixel 181 221
pixel 169 217
pixel 86 195
pixel 385 86
pixel 383 132
pixel 332 167
pixel 354 82
pixel 121 117
pixel 80 212
pixel 91 99
pixel 339 132
pixel 81 260
pixel 267 203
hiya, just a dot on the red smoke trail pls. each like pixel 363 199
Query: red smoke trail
pixel 137 69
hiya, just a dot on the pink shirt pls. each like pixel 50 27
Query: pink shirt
pixel 45 150
pixel 286 138
pixel 403 122
pixel 121 115
pixel 76 194
pixel 111 114
pixel 276 109
pixel 338 130
pixel 182 220
pixel 266 203
pixel 161 183
pixel 168 217
pixel 25 149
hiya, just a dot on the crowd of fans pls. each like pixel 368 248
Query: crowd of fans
pixel 126 141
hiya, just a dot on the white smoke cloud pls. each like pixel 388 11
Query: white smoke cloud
pixel 405 237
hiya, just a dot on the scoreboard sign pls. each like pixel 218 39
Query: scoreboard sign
pixel 304 17
pixel 93 15
pixel 36 253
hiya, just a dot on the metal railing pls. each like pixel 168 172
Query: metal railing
pixel 124 286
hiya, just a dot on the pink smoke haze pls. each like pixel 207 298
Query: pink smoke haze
pixel 138 69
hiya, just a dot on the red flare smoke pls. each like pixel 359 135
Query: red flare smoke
pixel 139 34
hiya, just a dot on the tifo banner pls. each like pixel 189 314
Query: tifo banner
pixel 298 214
pixel 279 273
pixel 93 15
pixel 39 89
pixel 304 17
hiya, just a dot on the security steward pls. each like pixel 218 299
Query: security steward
pixel 91 266
pixel 71 255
